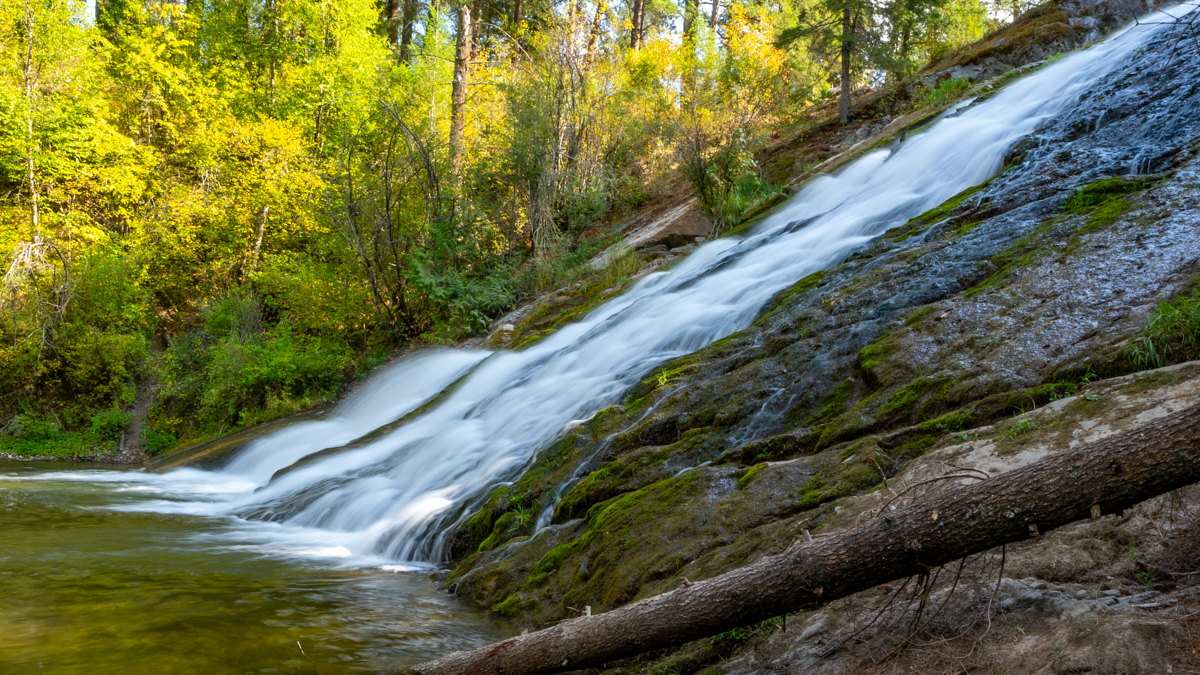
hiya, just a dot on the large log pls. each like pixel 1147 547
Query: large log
pixel 1110 475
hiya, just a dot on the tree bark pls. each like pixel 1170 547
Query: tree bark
pixel 594 33
pixel 260 226
pixel 716 14
pixel 638 18
pixel 458 92
pixel 518 12
pixel 476 27
pixel 391 22
pixel 847 49
pixel 29 84
pixel 690 9
pixel 1107 476
pixel 411 8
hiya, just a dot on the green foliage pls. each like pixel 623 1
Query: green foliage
pixel 157 441
pixel 721 176
pixel 253 202
pixel 1172 334
pixel 107 425
pixel 232 371
pixel 947 92
pixel 33 432
pixel 1021 428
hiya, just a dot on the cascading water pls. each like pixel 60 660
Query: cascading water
pixel 392 498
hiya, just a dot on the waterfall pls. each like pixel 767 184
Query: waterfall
pixel 391 498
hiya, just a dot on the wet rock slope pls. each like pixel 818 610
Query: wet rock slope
pixel 1011 295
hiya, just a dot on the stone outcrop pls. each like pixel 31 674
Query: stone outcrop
pixel 1012 296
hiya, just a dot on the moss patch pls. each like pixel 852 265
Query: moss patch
pixel 781 299
pixel 870 356
pixel 783 446
pixel 1101 191
pixel 749 476
pixel 838 481
pixel 935 215
pixel 904 402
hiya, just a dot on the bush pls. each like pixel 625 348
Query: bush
pixel 232 372
pixel 107 425
pixel 33 432
pixel 315 299
pixel 156 441
pixel 29 426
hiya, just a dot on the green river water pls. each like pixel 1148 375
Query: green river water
pixel 88 589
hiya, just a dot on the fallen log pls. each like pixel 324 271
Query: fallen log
pixel 1107 476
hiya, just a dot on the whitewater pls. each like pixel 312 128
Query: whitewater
pixel 392 501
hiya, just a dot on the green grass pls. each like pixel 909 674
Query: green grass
pixel 1172 335
pixel 945 93
pixel 1020 429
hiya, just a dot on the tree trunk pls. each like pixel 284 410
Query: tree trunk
pixel 518 12
pixel 594 34
pixel 847 49
pixel 391 22
pixel 458 93
pixel 690 9
pixel 29 83
pixel 476 27
pixel 1104 477
pixel 411 8
pixel 635 31
pixel 716 14
pixel 259 229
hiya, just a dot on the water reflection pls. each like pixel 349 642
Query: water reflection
pixel 88 589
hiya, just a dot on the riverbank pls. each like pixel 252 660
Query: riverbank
pixel 133 457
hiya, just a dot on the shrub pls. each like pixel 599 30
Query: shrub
pixel 107 425
pixel 232 371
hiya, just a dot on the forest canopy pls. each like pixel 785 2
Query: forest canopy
pixel 223 211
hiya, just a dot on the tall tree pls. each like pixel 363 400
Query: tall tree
pixel 477 27
pixel 391 20
pixel 29 83
pixel 594 33
pixel 458 94
pixel 638 16
pixel 836 29
pixel 411 7
pixel 691 9
pixel 847 50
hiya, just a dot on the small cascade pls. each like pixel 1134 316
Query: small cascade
pixel 394 496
